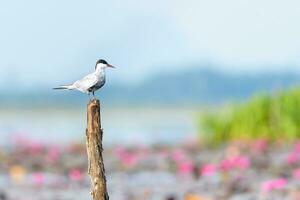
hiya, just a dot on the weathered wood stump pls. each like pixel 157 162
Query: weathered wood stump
pixel 94 136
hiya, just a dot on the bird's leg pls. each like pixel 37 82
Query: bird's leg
pixel 94 94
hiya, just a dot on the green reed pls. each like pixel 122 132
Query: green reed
pixel 272 117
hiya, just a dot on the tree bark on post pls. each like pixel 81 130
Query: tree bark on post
pixel 94 136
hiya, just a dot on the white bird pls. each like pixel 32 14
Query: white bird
pixel 91 82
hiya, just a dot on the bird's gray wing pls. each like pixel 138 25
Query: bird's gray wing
pixel 86 82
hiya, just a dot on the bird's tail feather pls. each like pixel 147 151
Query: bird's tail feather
pixel 64 87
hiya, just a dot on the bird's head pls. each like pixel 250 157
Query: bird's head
pixel 102 64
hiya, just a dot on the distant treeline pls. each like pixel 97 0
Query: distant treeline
pixel 193 86
pixel 271 117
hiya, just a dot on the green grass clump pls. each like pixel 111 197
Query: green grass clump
pixel 272 117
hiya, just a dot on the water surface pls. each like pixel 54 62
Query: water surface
pixel 122 125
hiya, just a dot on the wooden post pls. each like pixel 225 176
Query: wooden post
pixel 94 136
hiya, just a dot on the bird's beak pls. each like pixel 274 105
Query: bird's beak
pixel 108 65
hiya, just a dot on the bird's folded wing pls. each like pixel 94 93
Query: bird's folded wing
pixel 87 82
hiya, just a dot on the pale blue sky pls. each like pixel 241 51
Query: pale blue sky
pixel 43 40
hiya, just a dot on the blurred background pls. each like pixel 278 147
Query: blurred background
pixel 203 104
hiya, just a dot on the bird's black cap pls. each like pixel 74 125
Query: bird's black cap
pixel 101 61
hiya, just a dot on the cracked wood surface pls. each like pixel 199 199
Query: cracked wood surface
pixel 94 135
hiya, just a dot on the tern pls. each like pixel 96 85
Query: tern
pixel 91 82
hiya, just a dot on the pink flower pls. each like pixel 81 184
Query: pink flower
pixel 38 178
pixel 129 159
pixel 75 175
pixel 178 155
pixel 297 147
pixel 236 162
pixel 208 170
pixel 280 183
pixel 266 186
pixel 292 158
pixel 275 184
pixel 242 162
pixel 35 148
pixel 260 146
pixel 185 168
pixel 226 165
pixel 118 151
pixel 53 155
pixel 296 174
